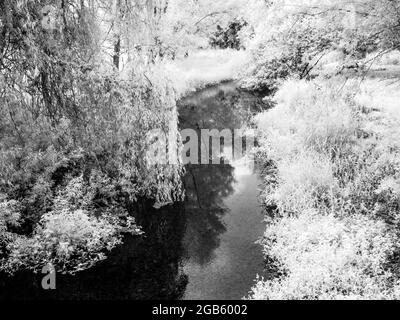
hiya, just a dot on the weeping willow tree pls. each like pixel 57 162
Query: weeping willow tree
pixel 131 30
pixel 77 99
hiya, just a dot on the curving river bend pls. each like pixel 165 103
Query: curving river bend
pixel 201 249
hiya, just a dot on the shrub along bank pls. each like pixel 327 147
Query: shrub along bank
pixel 331 150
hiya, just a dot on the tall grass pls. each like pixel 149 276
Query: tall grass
pixel 335 185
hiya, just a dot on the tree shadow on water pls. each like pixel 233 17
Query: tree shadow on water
pixel 206 189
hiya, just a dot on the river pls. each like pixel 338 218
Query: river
pixel 224 216
pixel 204 248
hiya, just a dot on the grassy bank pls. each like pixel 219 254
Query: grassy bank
pixel 331 150
pixel 205 67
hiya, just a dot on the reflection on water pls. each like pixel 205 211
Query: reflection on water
pixel 201 249
pixel 223 217
pixel 205 187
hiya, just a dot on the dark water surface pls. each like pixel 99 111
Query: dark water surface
pixel 203 248
pixel 224 218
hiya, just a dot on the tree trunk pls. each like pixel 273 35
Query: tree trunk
pixel 117 52
pixel 117 40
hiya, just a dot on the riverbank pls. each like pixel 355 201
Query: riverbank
pixel 331 149
pixel 204 68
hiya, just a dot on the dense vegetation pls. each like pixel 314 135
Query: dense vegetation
pixel 73 127
pixel 331 150
pixel 83 82
pixel 290 38
pixel 333 186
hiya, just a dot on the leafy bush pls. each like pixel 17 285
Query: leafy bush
pixel 335 184
pixel 84 222
pixel 229 37
pixel 324 257
pixel 70 241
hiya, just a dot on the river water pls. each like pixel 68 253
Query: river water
pixel 204 248
pixel 224 218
